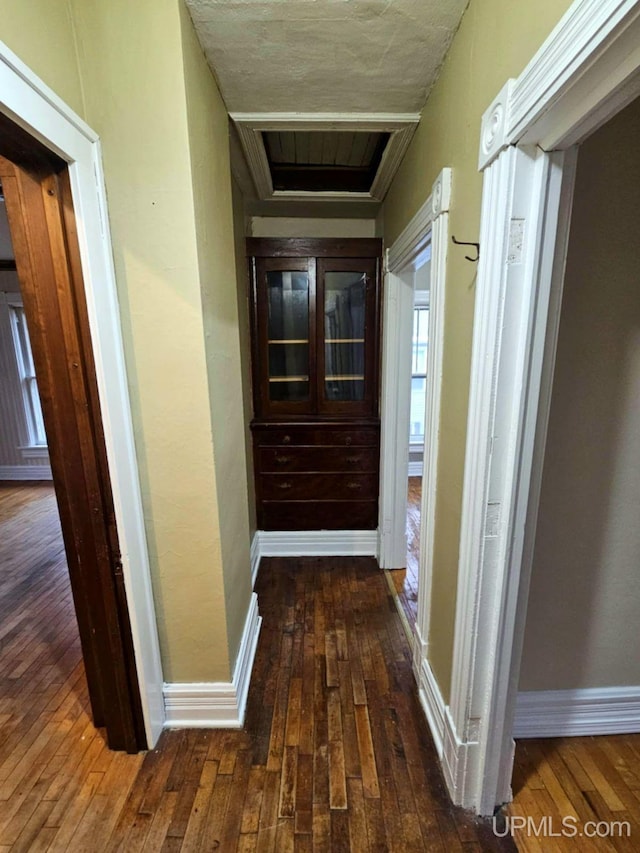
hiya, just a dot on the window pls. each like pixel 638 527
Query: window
pixel 26 372
pixel 419 373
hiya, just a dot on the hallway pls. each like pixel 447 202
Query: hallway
pixel 335 754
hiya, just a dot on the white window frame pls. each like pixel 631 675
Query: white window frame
pixel 420 304
pixel 36 437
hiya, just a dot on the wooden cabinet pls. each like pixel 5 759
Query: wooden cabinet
pixel 315 341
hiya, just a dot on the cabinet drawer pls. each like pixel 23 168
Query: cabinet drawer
pixel 325 459
pixel 291 487
pixel 319 515
pixel 316 436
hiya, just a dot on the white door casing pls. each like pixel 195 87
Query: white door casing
pixel 428 231
pixel 586 71
pixel 31 104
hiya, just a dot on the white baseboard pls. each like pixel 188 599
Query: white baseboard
pixel 25 472
pixel 255 558
pixel 416 468
pixel 569 713
pixel 317 543
pixel 432 705
pixel 459 760
pixel 216 705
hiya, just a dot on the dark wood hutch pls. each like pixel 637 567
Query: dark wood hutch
pixel 315 309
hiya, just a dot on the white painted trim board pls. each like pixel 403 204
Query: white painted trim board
pixel 255 558
pixel 221 704
pixel 25 472
pixel 317 543
pixel 250 126
pixel 574 713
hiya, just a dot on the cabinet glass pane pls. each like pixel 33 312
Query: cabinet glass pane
pixel 288 335
pixel 344 333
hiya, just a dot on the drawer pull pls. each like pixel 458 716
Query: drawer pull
pixel 283 485
pixel 286 439
pixel 353 460
pixel 354 486
pixel 282 460
pixel 348 440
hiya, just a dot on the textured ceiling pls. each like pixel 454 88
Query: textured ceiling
pixel 325 55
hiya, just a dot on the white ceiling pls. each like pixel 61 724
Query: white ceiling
pixel 322 56
pixel 325 55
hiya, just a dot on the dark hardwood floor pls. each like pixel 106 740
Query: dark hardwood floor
pixel 335 754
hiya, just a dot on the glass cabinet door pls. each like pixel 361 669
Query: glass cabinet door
pixel 347 306
pixel 344 329
pixel 286 340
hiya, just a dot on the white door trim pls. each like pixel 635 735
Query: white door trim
pixel 36 108
pixel 586 71
pixel 429 228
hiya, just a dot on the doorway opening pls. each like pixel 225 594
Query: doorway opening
pixel 51 338
pixel 406 579
pixel 576 676
pixel 40 652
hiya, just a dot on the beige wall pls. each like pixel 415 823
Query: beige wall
pixel 584 602
pixel 495 40
pixel 281 226
pixel 146 91
pixel 240 227
pixel 41 33
pixel 208 126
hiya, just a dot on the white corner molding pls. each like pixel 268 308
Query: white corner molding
pixel 25 472
pixel 39 111
pixel 222 704
pixel 441 193
pixel 494 126
pixel 251 126
pixel 583 74
pixel 255 558
pixel 575 713
pixel 415 238
pixel 588 61
pixel 317 543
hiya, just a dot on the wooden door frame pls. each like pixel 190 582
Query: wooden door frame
pixel 26 100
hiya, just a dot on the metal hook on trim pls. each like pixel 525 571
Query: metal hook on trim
pixel 463 243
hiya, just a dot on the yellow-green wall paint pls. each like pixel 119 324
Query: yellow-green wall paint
pixel 41 33
pixel 208 126
pixel 136 73
pixel 494 42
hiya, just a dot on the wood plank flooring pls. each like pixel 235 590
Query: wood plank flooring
pixel 59 784
pixel 405 581
pixel 585 780
pixel 335 754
